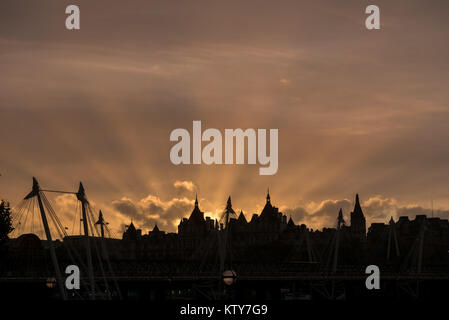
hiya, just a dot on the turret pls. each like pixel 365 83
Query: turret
pixel 358 222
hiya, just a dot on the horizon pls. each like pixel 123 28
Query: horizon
pixel 372 212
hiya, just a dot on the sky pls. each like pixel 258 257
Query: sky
pixel 358 111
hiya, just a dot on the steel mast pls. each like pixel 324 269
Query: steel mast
pixel 36 192
pixel 81 195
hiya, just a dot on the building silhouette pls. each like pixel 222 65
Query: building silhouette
pixel 271 236
pixel 267 246
pixel 358 222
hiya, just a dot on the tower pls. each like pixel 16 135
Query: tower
pixel 228 212
pixel 358 222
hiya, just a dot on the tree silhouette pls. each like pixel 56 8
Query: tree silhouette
pixel 5 222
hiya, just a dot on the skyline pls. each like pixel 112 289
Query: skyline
pixel 358 111
pixel 151 211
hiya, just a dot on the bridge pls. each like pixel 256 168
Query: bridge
pixel 105 278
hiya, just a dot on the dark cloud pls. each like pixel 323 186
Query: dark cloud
pixel 298 214
pixel 127 207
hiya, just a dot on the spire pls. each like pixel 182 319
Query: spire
pixel 357 207
pixel 196 214
pixel 229 204
pixel 242 217
pixel 155 229
pixel 391 220
pixel 268 195
pixel 228 211
pixel 358 221
pixel 131 229
pixel 340 219
pixel 130 233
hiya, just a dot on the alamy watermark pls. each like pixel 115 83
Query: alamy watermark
pixel 373 280
pixel 212 153
pixel 72 22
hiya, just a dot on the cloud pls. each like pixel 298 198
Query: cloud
pixel 379 209
pixel 151 210
pixel 126 206
pixel 376 209
pixel 318 215
pixel 187 185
